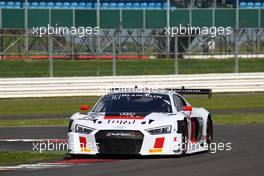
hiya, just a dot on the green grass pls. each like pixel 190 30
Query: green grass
pixel 125 67
pixel 229 101
pixel 239 118
pixel 34 122
pixel 69 105
pixel 12 158
pixel 44 106
pixel 232 118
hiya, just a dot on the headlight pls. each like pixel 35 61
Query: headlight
pixel 160 130
pixel 83 129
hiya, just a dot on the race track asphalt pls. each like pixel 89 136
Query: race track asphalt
pixel 246 158
pixel 28 133
pixel 33 132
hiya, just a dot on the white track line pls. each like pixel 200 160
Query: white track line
pixel 45 165
pixel 34 166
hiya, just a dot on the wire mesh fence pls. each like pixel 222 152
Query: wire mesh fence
pixel 139 53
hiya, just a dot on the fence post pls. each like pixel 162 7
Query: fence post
pixel 168 26
pixel 26 27
pixel 258 31
pixel 1 36
pixel 98 25
pixel 114 56
pixel 51 74
pixel 236 38
pixel 72 37
pixel 176 64
pixel 50 50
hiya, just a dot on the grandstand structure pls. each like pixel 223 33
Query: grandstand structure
pixel 132 28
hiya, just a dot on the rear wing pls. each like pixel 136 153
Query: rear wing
pixel 179 91
pixel 193 91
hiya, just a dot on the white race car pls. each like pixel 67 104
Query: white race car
pixel 144 122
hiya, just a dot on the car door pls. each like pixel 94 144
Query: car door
pixel 195 124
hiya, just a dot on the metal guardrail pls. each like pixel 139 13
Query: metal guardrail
pixel 86 86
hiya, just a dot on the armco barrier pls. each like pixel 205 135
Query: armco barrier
pixel 85 86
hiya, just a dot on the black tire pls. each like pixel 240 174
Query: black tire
pixel 209 131
pixel 184 143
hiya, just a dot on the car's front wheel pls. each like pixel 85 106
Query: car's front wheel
pixel 184 143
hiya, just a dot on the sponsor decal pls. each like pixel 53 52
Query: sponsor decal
pixel 121 134
pixel 156 150
pixel 121 122
pixel 86 150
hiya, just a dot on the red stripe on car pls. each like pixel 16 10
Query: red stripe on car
pixel 83 142
pixel 159 142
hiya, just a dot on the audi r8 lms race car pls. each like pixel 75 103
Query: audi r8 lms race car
pixel 145 122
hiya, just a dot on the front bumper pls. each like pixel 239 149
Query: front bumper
pixel 124 142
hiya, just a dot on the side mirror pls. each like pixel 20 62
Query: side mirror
pixel 84 108
pixel 187 108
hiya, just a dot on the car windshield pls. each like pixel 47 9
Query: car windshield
pixel 134 102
